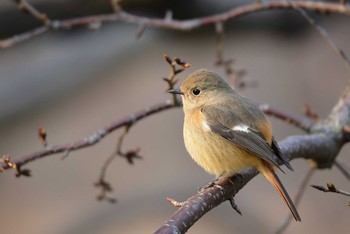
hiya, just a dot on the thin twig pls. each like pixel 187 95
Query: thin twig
pixel 116 5
pixel 102 183
pixel 174 203
pixel 19 38
pixel 322 146
pixel 67 24
pixel 299 121
pixel 309 113
pixel 316 146
pixel 330 189
pixel 170 80
pixel 342 168
pixel 323 32
pixel 301 192
pixel 42 134
pixel 25 6
pixel 93 138
pixel 234 75
pixel 219 29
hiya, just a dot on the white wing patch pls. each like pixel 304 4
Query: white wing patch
pixel 241 127
pixel 206 126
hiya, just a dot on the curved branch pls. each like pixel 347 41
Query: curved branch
pixel 322 7
pixel 128 121
pixel 92 139
pixel 318 146
pixel 299 121
pixel 322 146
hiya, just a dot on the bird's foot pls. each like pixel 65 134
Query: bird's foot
pixel 211 184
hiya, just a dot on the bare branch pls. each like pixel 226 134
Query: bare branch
pixel 323 32
pixel 343 168
pixel 170 80
pixel 301 122
pixel 94 138
pixel 234 75
pixel 130 155
pixel 120 15
pixel 322 146
pixel 42 134
pixel 90 140
pixel 331 188
pixel 317 146
pixel 297 199
pixel 23 36
pixel 25 6
pixel 308 112
pixel 174 203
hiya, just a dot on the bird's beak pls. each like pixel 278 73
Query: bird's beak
pixel 175 91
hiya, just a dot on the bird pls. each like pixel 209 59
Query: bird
pixel 225 132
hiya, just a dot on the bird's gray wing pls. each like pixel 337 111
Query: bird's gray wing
pixel 248 139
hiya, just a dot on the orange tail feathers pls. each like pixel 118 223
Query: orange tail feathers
pixel 270 174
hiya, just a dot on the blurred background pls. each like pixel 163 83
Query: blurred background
pixel 74 82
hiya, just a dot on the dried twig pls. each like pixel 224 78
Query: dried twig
pixel 25 6
pixel 234 205
pixel 234 75
pixel 343 168
pixel 331 188
pixel 297 199
pixel 42 134
pixel 170 80
pixel 130 155
pixel 10 164
pixel 322 145
pixel 301 122
pixel 92 139
pixel 121 15
pixel 322 31
pixel 311 114
pixel 116 5
pixel 174 203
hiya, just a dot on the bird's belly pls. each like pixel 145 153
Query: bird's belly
pixel 217 155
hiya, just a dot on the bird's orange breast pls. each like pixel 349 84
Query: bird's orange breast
pixel 215 154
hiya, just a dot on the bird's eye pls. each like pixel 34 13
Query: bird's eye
pixel 196 91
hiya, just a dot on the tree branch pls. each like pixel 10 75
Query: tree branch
pixel 317 146
pixel 298 121
pixel 342 168
pixel 89 140
pixel 297 199
pixel 121 15
pixel 322 145
pixel 128 121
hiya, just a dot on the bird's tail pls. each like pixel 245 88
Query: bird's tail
pixel 270 174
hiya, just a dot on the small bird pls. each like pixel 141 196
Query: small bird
pixel 226 133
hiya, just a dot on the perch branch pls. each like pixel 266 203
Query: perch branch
pixel 317 146
pixel 322 146
pixel 94 138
